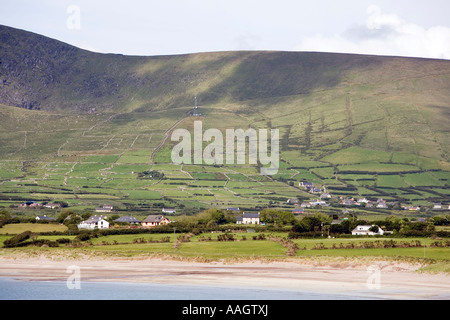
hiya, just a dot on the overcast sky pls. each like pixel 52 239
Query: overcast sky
pixel 137 27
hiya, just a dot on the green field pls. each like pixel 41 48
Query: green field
pixel 207 246
pixel 356 125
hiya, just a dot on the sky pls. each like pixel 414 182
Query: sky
pixel 412 28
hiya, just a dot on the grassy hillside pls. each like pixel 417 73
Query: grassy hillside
pixel 89 125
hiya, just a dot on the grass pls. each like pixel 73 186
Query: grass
pixel 434 259
pixel 33 227
pixel 336 118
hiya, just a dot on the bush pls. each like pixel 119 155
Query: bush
pixel 83 236
pixel 225 237
pixel 17 240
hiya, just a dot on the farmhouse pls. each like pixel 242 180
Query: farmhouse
pixel 53 205
pixel 154 221
pixel 298 211
pixel 169 210
pixel 44 218
pixel 364 230
pixel 105 208
pixel 248 218
pixel 94 222
pixel 305 184
pixel 318 202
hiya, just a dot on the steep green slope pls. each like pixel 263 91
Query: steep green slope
pixel 359 125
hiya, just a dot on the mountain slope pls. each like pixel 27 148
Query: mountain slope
pixel 38 72
pixel 359 125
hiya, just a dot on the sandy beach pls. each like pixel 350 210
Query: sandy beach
pixel 377 280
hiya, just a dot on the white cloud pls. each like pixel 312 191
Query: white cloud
pixel 385 34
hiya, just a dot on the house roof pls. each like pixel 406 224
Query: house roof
pixel 154 218
pixel 93 219
pixel 250 215
pixel 128 219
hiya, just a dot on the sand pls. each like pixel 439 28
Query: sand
pixel 377 280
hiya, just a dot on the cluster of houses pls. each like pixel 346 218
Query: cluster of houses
pixel 380 203
pixel 309 186
pixel 34 204
pixel 100 222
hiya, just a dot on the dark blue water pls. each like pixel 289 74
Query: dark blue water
pixel 11 289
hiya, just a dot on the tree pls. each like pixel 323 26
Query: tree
pixel 277 216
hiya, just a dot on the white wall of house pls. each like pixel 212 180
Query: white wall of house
pixel 100 224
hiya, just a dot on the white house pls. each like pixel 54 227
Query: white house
pixel 94 222
pixel 105 208
pixel 363 230
pixel 169 210
pixel 248 218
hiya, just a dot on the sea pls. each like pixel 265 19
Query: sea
pixel 14 289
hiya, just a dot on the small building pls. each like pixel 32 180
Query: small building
pixel 382 205
pixel 249 218
pixel 364 230
pixel 53 205
pixel 315 190
pixel 233 209
pixel 306 185
pixel 94 222
pixel 318 202
pixel 305 205
pixel 154 221
pixel 411 208
pixel 437 206
pixel 298 211
pixel 44 218
pixel 105 209
pixel 169 210
pixel 128 219
pixel 363 200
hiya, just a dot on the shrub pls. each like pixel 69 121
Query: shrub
pixel 17 240
pixel 225 237
pixel 84 236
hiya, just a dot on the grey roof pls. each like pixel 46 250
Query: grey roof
pixel 128 219
pixel 251 215
pixel 154 218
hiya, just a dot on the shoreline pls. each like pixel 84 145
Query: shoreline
pixel 370 279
